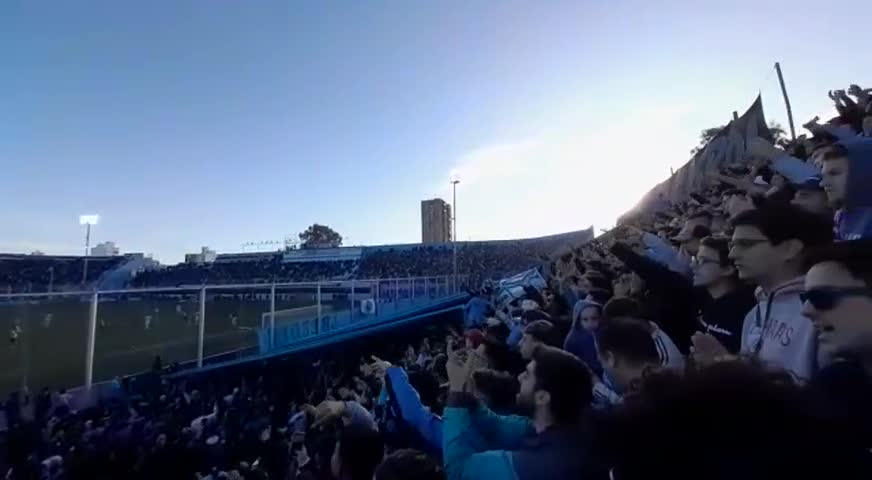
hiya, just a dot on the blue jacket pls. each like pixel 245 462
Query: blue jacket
pixel 855 219
pixel 479 444
pixel 475 312
pixel 581 342
pixel 414 413
pixel 516 331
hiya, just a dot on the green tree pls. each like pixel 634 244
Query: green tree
pixel 778 134
pixel 705 137
pixel 320 236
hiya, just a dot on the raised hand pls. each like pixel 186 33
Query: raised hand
pixel 707 349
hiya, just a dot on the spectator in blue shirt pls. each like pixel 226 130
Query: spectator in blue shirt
pixel 552 443
pixel 476 311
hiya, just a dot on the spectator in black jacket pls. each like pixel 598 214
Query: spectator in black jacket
pixel 723 300
pixel 669 296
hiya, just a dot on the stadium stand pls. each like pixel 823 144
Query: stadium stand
pixel 38 273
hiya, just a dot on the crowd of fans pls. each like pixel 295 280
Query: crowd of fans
pixel 728 336
pixel 484 260
pixel 39 273
pixel 265 270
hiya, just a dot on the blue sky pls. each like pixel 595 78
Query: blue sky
pixel 188 123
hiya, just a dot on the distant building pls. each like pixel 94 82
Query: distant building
pixel 435 221
pixel 206 255
pixel 105 249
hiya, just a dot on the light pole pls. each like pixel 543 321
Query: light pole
pixel 455 179
pixel 87 220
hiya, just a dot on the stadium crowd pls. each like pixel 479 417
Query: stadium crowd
pixel 726 336
pixel 39 273
pixel 486 260
pixel 253 271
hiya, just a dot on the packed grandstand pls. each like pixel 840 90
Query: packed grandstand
pixel 721 330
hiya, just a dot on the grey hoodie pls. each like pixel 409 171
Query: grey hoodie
pixel 776 333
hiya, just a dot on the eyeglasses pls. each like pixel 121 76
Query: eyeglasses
pixel 827 298
pixel 746 243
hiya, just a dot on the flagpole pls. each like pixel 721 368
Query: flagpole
pixel 786 100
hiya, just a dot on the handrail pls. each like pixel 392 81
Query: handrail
pixel 197 288
pixel 394 290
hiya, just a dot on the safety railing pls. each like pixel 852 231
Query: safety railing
pixel 62 340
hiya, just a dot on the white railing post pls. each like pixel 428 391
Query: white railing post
pixel 318 299
pixel 352 300
pixel 92 333
pixel 272 315
pixel 201 330
pixel 427 288
pixel 377 298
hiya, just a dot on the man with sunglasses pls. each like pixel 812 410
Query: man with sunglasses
pixel 838 299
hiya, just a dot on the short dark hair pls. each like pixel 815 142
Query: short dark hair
pixel 600 295
pixel 543 331
pixel 408 463
pixel 781 195
pixel 628 338
pixel 700 232
pixel 598 280
pixel 501 388
pixel 720 245
pixel 832 152
pixel 855 255
pixel 779 223
pixel 566 379
pixel 360 450
pixel 622 307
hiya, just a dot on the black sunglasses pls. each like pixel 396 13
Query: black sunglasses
pixel 828 298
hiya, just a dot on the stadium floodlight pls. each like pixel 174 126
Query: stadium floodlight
pixel 87 221
pixel 454 179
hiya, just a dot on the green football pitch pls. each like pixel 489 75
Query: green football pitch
pixel 47 340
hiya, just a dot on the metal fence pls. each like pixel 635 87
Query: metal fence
pixel 62 340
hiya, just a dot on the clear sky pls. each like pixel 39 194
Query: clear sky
pixel 187 123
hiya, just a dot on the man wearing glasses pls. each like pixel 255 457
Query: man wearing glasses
pixel 769 248
pixel 725 301
pixel 838 300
